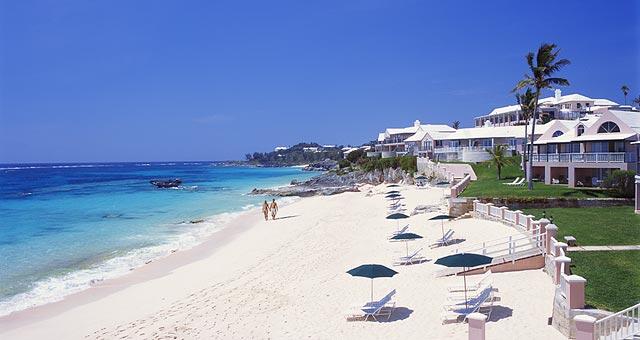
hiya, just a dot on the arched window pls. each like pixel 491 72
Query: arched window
pixel 608 127
pixel 557 133
pixel 580 130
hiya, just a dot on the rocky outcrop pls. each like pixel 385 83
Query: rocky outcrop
pixel 325 165
pixel 331 183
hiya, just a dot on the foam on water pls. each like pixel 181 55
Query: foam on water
pixel 121 232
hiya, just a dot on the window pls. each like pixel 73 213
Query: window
pixel 608 127
pixel 580 130
pixel 567 106
pixel 578 105
pixel 557 133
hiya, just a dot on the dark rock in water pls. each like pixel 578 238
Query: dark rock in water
pixel 196 221
pixel 172 183
pixel 325 165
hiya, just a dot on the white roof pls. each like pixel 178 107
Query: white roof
pixel 516 131
pixel 381 136
pixel 604 102
pixel 431 129
pixel 631 118
pixel 554 101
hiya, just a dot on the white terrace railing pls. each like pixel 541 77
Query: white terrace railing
pixel 600 157
pixel 502 250
pixel 515 218
pixel 621 325
pixel 460 186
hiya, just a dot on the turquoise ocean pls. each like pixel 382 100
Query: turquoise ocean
pixel 64 227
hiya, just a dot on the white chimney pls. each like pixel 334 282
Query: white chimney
pixel 558 94
pixel 416 123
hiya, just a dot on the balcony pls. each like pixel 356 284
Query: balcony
pixel 600 157
pixel 467 148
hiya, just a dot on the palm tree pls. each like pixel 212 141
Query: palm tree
pixel 525 100
pixel 498 157
pixel 455 124
pixel 625 92
pixel 637 100
pixel 542 65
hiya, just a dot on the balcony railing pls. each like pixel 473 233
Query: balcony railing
pixel 467 148
pixel 600 157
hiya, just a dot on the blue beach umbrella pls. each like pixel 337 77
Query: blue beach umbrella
pixel 441 218
pixel 397 217
pixel 393 186
pixel 393 192
pixel 464 260
pixel 372 271
pixel 406 237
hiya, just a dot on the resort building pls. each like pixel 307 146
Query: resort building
pixel 471 144
pixel 569 107
pixel 583 152
pixel 391 142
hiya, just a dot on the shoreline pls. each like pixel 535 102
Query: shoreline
pixel 286 279
pixel 157 268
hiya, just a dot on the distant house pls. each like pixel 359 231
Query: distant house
pixel 329 146
pixel 280 148
pixel 392 142
pixel 585 151
pixel 569 107
pixel 311 149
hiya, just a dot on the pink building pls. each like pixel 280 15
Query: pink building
pixel 584 152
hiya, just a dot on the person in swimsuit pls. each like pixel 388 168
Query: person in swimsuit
pixel 265 210
pixel 274 209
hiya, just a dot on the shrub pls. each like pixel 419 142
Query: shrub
pixel 355 155
pixel 343 163
pixel 621 183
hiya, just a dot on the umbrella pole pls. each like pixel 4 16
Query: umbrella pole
pixel 372 290
pixel 464 275
pixel 406 243
pixel 442 228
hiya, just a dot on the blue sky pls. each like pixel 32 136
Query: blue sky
pixel 213 80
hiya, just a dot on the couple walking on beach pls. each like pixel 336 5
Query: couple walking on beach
pixel 273 207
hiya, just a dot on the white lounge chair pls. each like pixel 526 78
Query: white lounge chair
pixel 398 232
pixel 514 181
pixel 483 303
pixel 458 297
pixel 484 278
pixel 444 240
pixel 411 259
pixel 374 309
pixel 519 183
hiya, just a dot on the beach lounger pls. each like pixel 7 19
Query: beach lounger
pixel 484 279
pixel 518 183
pixel 411 259
pixel 514 181
pixel 483 303
pixel 448 236
pixel 458 297
pixel 398 232
pixel 375 309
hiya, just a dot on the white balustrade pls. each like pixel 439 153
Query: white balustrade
pixel 621 325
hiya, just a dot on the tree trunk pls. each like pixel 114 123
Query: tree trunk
pixel 533 131
pixel 525 152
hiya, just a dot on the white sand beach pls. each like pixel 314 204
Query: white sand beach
pixel 286 279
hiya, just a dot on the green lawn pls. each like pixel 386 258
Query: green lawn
pixel 595 226
pixel 488 186
pixel 613 277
